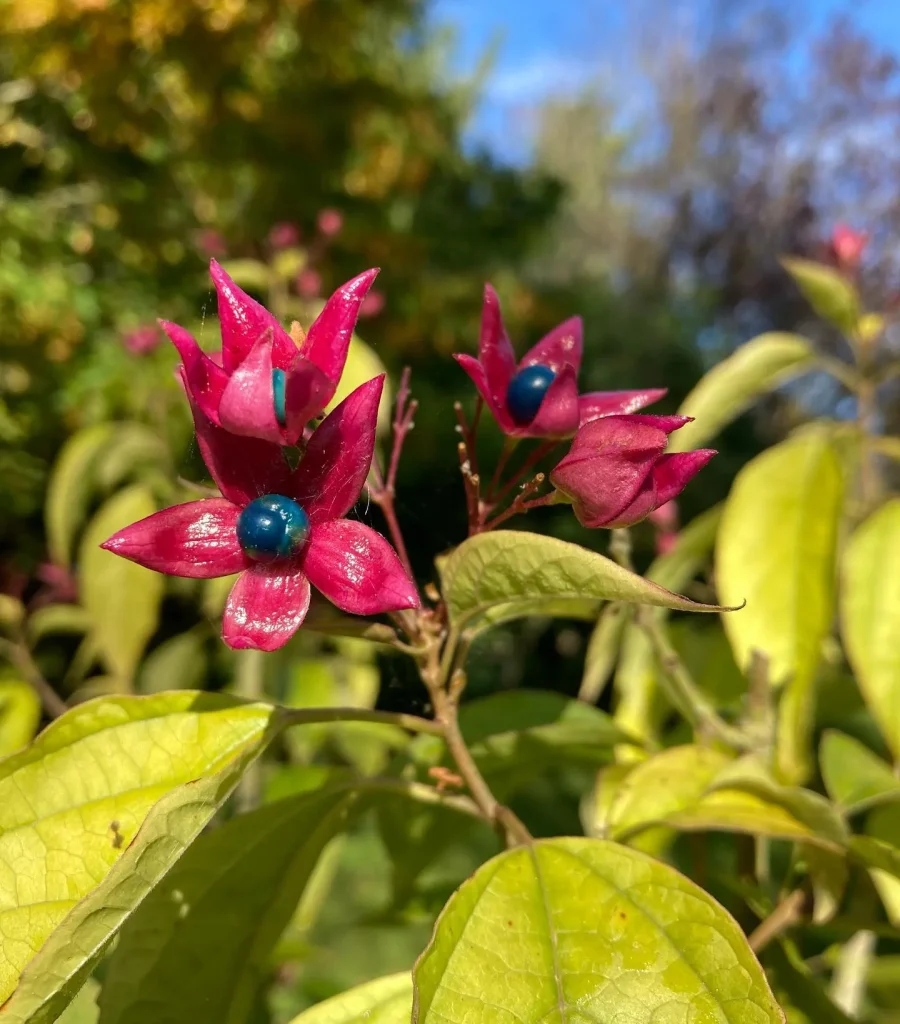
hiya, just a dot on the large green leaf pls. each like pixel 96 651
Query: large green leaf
pixel 133 447
pixel 383 1001
pixel 121 598
pixel 92 815
pixel 590 932
pixel 855 777
pixel 870 616
pixel 776 551
pixel 20 713
pixel 829 293
pixel 69 489
pixel 507 574
pixel 731 386
pixel 636 674
pixel 198 948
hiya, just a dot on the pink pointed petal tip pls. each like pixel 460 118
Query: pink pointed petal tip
pixel 266 607
pixel 203 379
pixel 243 321
pixel 306 393
pixel 558 414
pixel 247 405
pixel 357 570
pixel 328 339
pixel 673 472
pixel 197 540
pixel 333 470
pixel 495 352
pixel 596 404
pixel 478 377
pixel 561 347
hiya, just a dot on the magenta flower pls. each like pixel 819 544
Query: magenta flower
pixel 265 386
pixel 538 397
pixel 281 529
pixel 616 472
pixel 284 234
pixel 141 341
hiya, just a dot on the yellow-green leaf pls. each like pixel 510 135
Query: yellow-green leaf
pixel 230 896
pixel 92 814
pixel 20 713
pixel 252 274
pixel 383 1001
pixel 57 618
pixel 121 598
pixel 591 932
pixel 829 293
pixel 508 574
pixel 776 551
pixel 361 366
pixel 12 612
pixel 870 616
pixel 854 777
pixel 731 386
pixel 68 491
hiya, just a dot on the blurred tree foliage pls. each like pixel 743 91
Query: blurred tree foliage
pixel 138 138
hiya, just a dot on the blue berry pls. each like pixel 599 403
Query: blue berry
pixel 526 392
pixel 278 386
pixel 272 527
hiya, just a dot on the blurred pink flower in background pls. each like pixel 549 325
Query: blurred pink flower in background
pixel 330 222
pixel 284 234
pixel 665 518
pixel 848 245
pixel 372 304
pixel 140 341
pixel 211 242
pixel 309 283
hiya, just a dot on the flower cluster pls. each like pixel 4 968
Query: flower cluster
pixel 281 524
pixel 616 471
pixel 281 529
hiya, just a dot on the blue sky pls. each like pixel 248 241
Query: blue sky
pixel 553 46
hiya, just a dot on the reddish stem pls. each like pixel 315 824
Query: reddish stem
pixel 468 465
pixel 384 491
pixel 533 459
pixel 520 504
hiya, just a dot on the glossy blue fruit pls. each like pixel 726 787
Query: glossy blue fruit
pixel 278 386
pixel 526 392
pixel 272 527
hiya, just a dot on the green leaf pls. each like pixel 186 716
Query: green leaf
pixel 12 612
pixel 757 367
pixel 83 1009
pixel 591 932
pixel 230 896
pixel 57 618
pixel 784 508
pixel 855 777
pixel 603 651
pixel 516 735
pixel 829 293
pixel 20 714
pixel 69 488
pixel 361 366
pixel 178 663
pixel 828 874
pixel 636 675
pixel 383 1001
pixel 507 574
pixel 881 848
pixel 92 815
pixel 132 448
pixel 805 991
pixel 121 598
pixel 653 790
pixel 870 616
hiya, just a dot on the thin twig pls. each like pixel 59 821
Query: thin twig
pixel 521 505
pixel 385 489
pixel 20 656
pixel 533 459
pixel 423 793
pixel 788 913
pixel 509 446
